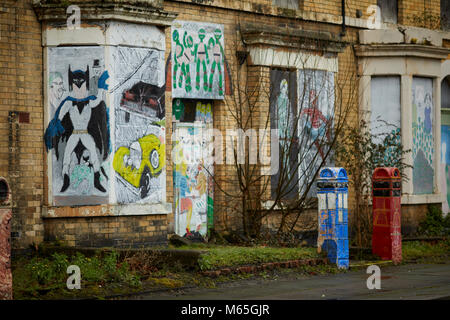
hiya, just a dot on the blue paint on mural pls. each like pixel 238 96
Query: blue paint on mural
pixel 423 139
pixel 445 162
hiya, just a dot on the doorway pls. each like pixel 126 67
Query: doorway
pixel 192 171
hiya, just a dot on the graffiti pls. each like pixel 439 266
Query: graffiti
pixel 56 90
pixel 78 131
pixel 177 110
pixel 445 166
pixel 193 170
pixel 139 100
pixel 203 112
pixel 283 116
pixel 423 140
pixel 198 54
pixel 316 110
pixel 141 162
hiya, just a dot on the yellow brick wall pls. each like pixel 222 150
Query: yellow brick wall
pixel 420 13
pixel 123 231
pixel 21 90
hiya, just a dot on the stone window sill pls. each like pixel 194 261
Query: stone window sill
pixel 106 210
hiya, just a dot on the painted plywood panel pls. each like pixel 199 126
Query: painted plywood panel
pixel 198 60
pixel 385 106
pixel 78 135
pixel 193 185
pixel 138 95
pixel 315 118
pixel 423 139
pixel 283 116
pixel 445 167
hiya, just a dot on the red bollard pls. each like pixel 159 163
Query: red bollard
pixel 386 208
pixel 5 247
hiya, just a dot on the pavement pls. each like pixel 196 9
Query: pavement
pixel 410 281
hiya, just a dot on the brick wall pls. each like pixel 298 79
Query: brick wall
pixel 122 231
pixel 420 13
pixel 21 91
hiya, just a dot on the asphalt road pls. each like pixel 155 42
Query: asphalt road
pixel 412 281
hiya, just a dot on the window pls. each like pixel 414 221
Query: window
pixel 445 93
pixel 288 4
pixel 389 9
pixel 445 15
pixel 423 137
pixel 385 105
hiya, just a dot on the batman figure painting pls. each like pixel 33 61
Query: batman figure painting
pixel 79 128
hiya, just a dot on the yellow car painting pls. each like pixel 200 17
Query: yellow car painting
pixel 143 160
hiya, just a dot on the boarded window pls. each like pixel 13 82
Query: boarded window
pixel 385 106
pixel 423 138
pixel 445 15
pixel 289 4
pixel 389 9
pixel 283 110
pixel 445 93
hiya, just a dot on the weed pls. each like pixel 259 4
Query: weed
pixel 434 223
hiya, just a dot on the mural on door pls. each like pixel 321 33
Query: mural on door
pixel 423 139
pixel 193 185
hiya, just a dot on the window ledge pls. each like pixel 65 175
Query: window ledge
pixel 107 210
pixel 421 198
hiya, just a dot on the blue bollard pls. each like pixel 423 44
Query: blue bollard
pixel 332 193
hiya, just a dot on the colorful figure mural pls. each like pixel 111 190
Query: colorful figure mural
pixel 423 139
pixel 198 53
pixel 283 117
pixel 193 170
pixel 78 131
pixel 139 106
pixel 445 167
pixel 315 117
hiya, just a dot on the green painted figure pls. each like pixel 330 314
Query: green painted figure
pixel 217 60
pixel 182 59
pixel 176 55
pixel 178 109
pixel 202 59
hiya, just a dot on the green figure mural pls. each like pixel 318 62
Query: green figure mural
pixel 182 59
pixel 218 58
pixel 202 59
pixel 198 53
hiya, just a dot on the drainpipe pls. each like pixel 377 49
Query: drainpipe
pixel 343 18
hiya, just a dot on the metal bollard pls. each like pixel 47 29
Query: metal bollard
pixel 386 208
pixel 5 247
pixel 332 193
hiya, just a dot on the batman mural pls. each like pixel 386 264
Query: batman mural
pixel 79 135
